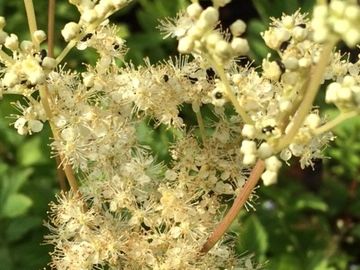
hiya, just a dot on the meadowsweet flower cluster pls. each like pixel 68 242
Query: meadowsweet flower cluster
pixel 337 19
pixel 134 212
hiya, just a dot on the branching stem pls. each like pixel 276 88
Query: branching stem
pixel 310 94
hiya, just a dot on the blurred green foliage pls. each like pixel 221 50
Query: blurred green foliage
pixel 297 225
pixel 27 184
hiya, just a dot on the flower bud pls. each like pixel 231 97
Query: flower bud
pixel 272 164
pixel 186 44
pixel 39 36
pixel 12 42
pixel 269 177
pixel 265 150
pixel 237 28
pixel 70 31
pixel 248 131
pixel 240 46
pixel 209 16
pixel 194 10
pixel 48 62
pixel 2 22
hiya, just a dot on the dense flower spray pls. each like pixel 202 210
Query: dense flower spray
pixel 133 212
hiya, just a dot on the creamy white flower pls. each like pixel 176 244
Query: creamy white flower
pixel 33 71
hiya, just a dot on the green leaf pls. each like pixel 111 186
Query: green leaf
pixel 32 152
pixel 11 181
pixel 356 231
pixel 286 262
pixel 290 6
pixel 17 178
pixel 20 226
pixel 16 205
pixel 263 8
pixel 311 201
pixel 253 237
pixel 307 5
pixel 5 259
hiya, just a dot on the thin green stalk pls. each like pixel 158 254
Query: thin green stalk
pixel 65 51
pixel 30 13
pixel 5 57
pixel 334 122
pixel 221 73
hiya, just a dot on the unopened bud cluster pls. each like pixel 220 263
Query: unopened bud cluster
pixel 338 19
pixel 203 37
pixel 92 13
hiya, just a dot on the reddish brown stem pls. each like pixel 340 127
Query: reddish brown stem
pixel 51 27
pixel 239 202
pixel 65 169
pixel 50 42
pixel 60 175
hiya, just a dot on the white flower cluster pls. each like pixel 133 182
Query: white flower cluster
pixel 344 94
pixel 199 33
pixel 135 212
pixel 23 72
pixel 338 19
pixel 28 64
pixel 32 118
pixel 92 13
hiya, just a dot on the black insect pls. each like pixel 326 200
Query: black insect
pixel 281 66
pixel 87 37
pixel 268 129
pixel 218 95
pixel 283 46
pixel 27 84
pixel 210 74
pixel 116 46
pixel 302 25
pixel 165 78
pixel 42 54
pixel 191 79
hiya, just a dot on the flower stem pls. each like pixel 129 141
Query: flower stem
pixel 334 122
pixel 65 51
pixel 50 42
pixel 5 57
pixel 239 202
pixel 67 168
pixel 51 26
pixel 310 94
pixel 30 14
pixel 220 71
pixel 200 120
